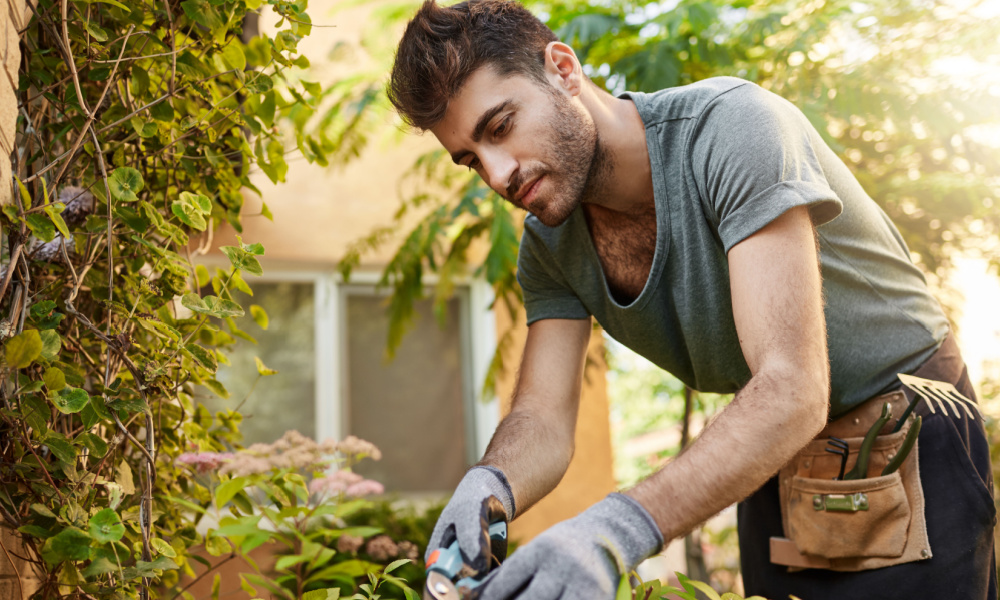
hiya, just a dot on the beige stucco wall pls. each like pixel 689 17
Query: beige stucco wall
pixel 319 211
pixel 14 16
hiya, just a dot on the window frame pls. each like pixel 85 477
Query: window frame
pixel 477 330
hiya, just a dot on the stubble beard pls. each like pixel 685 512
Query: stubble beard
pixel 578 164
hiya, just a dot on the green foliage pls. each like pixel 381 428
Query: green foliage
pixel 138 126
pixel 262 495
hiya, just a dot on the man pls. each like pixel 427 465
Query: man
pixel 710 229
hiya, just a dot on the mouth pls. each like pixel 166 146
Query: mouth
pixel 528 192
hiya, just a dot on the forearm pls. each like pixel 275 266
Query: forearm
pixel 533 452
pixel 770 420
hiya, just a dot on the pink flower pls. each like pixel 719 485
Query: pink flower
pixel 335 483
pixel 349 544
pixel 204 462
pixel 382 548
pixel 364 488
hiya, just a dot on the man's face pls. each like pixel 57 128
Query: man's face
pixel 528 141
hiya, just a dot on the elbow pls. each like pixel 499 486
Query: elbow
pixel 806 394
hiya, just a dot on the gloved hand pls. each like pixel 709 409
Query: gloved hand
pixel 579 559
pixel 467 516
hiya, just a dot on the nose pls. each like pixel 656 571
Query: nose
pixel 498 167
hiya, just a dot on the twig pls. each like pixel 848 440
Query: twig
pixel 20 588
pixel 172 52
pixel 11 266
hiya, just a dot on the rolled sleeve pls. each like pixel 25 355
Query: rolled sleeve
pixel 546 294
pixel 754 157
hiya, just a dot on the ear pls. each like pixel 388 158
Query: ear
pixel 562 68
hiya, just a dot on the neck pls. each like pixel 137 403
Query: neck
pixel 629 180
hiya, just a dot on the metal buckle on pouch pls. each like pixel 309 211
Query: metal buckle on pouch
pixel 841 502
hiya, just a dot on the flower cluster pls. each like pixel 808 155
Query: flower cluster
pixel 203 462
pixel 381 547
pixel 346 482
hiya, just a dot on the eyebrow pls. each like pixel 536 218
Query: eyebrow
pixel 480 128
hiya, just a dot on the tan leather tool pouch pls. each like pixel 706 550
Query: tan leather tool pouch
pixel 859 524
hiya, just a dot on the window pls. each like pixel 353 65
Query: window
pixel 327 340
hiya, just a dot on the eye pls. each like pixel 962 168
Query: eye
pixel 503 127
pixel 473 164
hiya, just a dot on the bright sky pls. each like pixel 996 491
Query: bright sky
pixel 979 320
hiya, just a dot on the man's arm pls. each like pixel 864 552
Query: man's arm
pixel 534 443
pixel 778 309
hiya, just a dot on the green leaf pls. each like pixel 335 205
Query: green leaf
pixel 60 447
pixel 123 477
pixel 145 129
pixel 93 442
pixel 262 370
pixel 162 547
pixel 216 545
pixel 260 83
pixel 259 316
pixel 22 349
pixel 225 492
pixel 51 344
pixel 205 357
pixel 35 531
pixel 327 594
pixel 69 544
pixel 43 510
pixel 233 56
pixel 25 196
pixel 149 569
pixel 201 271
pixel 106 526
pixel 395 565
pixel 41 226
pixel 54 379
pixel 220 307
pixel 53 211
pixel 139 81
pixel 70 400
pixel 44 315
pixel 99 566
pixel 217 388
pixel 124 183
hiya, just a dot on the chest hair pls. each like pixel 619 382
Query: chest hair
pixel 625 245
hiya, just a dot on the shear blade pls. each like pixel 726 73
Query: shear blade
pixel 439 587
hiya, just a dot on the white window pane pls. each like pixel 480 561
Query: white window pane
pixel 412 408
pixel 286 400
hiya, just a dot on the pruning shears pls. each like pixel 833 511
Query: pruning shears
pixel 449 578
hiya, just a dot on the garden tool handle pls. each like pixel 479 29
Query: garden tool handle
pixel 860 470
pixel 905 447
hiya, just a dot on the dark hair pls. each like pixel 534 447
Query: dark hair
pixel 443 45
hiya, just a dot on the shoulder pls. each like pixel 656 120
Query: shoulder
pixel 687 101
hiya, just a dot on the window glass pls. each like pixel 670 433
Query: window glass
pixel 413 408
pixel 274 404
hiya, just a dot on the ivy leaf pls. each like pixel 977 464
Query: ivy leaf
pixel 60 447
pixel 259 316
pixel 54 379
pixel 220 307
pixel 41 226
pixel 22 349
pixel 124 183
pixel 51 344
pixel 233 56
pixel 260 84
pixel 217 388
pixel 99 566
pixel 43 315
pixel 96 32
pixel 106 526
pixel 327 594
pixel 53 211
pixel 70 400
pixel 93 442
pixel 149 569
pixel 161 546
pixel 140 81
pixel 203 356
pixel 263 370
pixel 68 545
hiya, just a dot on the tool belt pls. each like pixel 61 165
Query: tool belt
pixel 866 523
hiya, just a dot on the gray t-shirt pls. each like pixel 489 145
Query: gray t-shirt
pixel 728 158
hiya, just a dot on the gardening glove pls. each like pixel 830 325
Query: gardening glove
pixel 583 558
pixel 482 497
